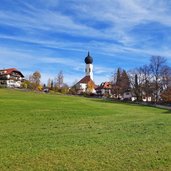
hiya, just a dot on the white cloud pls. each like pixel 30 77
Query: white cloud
pixel 28 63
pixel 121 15
pixel 43 25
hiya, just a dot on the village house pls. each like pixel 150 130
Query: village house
pixel 105 89
pixel 11 78
pixel 127 95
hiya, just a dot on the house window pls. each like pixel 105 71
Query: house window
pixel 106 91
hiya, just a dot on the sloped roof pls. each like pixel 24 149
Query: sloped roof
pixel 9 71
pixel 105 85
pixel 85 80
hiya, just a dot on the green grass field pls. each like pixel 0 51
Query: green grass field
pixel 55 132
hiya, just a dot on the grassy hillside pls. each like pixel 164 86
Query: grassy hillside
pixel 53 132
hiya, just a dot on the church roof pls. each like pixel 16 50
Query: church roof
pixel 85 80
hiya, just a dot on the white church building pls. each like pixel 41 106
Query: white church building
pixel 86 84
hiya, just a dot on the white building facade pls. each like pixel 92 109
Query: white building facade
pixel 11 78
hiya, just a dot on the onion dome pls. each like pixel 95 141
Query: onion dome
pixel 88 59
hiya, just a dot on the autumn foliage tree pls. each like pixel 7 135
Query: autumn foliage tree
pixel 33 81
pixel 36 77
pixel 90 86
pixel 166 95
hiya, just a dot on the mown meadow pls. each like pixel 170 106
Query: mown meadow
pixel 56 132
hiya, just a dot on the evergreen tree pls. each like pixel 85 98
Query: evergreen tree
pixel 125 83
pixel 121 84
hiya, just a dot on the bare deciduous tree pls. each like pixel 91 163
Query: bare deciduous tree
pixel 135 83
pixel 145 77
pixel 59 80
pixel 158 68
pixel 49 83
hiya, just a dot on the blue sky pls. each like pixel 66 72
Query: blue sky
pixel 54 35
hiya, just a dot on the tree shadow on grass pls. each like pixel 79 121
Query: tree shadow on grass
pixel 166 111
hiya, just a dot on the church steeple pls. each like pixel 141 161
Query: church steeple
pixel 89 66
pixel 88 59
